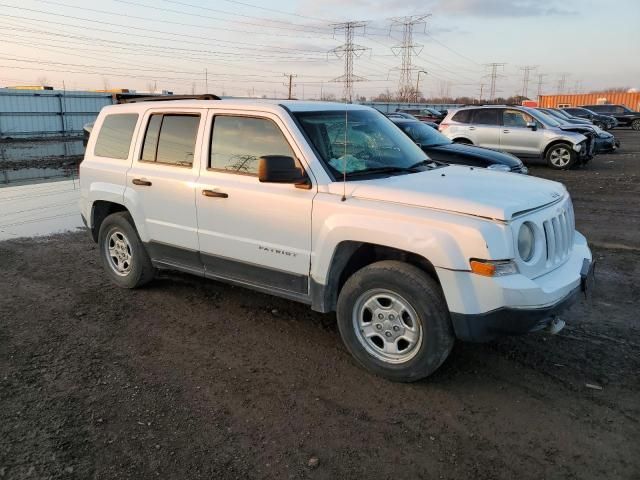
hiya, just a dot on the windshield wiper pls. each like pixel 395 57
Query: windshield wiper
pixel 426 163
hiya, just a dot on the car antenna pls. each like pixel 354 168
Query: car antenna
pixel 344 156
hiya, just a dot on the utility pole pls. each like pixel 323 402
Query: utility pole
pixel 482 85
pixel 493 76
pixel 290 84
pixel 348 50
pixel 418 83
pixel 525 79
pixel 407 49
pixel 206 81
pixel 540 83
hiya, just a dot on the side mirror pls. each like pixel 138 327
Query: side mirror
pixel 281 169
pixel 532 125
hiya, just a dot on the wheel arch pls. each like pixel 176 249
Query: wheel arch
pixel 101 209
pixel 351 256
pixel 463 140
pixel 555 142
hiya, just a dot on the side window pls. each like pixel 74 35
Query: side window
pixel 463 116
pixel 171 139
pixel 618 109
pixel 238 142
pixel 486 116
pixel 114 138
pixel 515 118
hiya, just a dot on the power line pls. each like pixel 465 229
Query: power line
pixel 407 48
pixel 348 50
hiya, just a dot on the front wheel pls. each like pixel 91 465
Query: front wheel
pixel 636 124
pixel 561 156
pixel 123 255
pixel 394 320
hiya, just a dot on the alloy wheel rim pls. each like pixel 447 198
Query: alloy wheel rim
pixel 387 326
pixel 118 252
pixel 560 157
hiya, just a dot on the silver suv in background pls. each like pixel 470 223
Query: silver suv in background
pixel 521 131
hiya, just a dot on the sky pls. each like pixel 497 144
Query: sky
pixel 246 47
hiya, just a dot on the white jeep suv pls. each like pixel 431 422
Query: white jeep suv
pixel 333 206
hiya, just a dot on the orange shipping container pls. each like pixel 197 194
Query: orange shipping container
pixel 629 99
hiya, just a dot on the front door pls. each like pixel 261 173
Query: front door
pixel 251 232
pixel 516 137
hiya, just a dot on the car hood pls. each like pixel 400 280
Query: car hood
pixel 472 191
pixel 577 128
pixel 471 151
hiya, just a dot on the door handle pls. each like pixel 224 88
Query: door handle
pixel 213 193
pixel 142 183
pixel 506 131
pixel 472 128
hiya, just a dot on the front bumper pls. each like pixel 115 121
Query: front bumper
pixel 483 308
pixel 517 321
pixel 605 145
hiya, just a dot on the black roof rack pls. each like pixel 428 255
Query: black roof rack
pixel 164 98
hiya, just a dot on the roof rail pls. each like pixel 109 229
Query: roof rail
pixel 165 98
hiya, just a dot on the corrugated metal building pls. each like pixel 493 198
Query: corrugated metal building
pixel 48 113
pixel 630 99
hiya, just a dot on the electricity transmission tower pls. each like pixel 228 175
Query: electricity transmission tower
pixel 526 72
pixel 482 85
pixel 290 84
pixel 562 82
pixel 407 49
pixel 540 83
pixel 348 50
pixel 493 76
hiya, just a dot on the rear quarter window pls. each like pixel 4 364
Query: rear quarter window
pixel 114 137
pixel 463 116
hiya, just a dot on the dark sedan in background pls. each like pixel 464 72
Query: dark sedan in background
pixel 440 148
pixel 603 121
pixel 625 116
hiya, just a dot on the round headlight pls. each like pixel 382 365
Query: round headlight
pixel 526 242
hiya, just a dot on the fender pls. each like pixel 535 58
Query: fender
pixel 446 240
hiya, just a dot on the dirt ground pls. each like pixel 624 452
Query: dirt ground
pixel 192 379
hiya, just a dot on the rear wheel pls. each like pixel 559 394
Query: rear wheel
pixel 123 255
pixel 393 319
pixel 561 156
pixel 636 124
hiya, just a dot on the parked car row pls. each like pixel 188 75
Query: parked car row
pixel 550 134
pixel 624 116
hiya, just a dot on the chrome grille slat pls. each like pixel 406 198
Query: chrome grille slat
pixel 559 232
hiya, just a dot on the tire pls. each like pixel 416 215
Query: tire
pixel 636 124
pixel 124 257
pixel 394 320
pixel 561 156
pixel 463 141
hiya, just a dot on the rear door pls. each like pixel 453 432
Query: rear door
pixel 516 137
pixel 485 127
pixel 161 185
